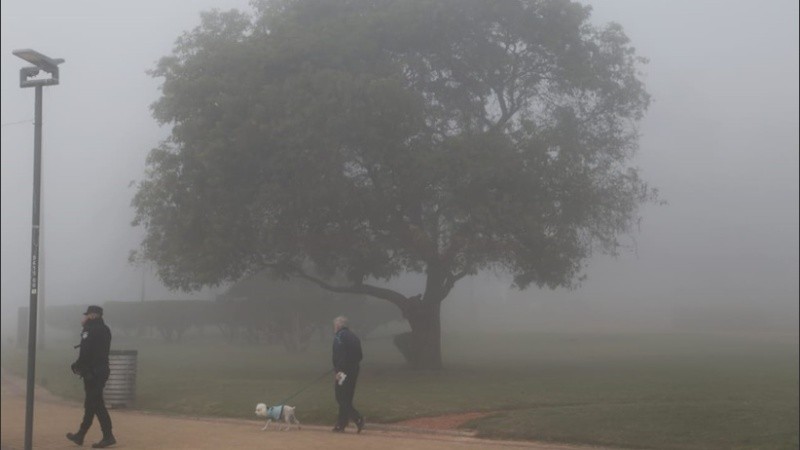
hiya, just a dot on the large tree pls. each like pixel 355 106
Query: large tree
pixel 379 137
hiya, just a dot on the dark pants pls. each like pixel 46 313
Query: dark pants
pixel 344 397
pixel 94 405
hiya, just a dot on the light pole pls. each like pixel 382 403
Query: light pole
pixel 42 298
pixel 26 79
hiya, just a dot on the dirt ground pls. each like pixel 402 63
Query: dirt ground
pixel 53 417
pixel 448 422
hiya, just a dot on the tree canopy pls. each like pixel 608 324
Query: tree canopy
pixel 379 137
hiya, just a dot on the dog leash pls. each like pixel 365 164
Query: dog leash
pixel 306 387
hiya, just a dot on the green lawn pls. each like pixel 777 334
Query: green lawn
pixel 628 390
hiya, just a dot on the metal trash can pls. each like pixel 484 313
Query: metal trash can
pixel 120 390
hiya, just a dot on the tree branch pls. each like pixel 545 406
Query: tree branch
pixel 393 297
pixel 453 278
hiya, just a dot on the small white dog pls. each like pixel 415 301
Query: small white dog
pixel 277 413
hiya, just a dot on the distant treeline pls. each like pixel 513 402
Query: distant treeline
pixel 731 318
pixel 290 323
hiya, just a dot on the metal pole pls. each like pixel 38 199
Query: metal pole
pixel 41 282
pixel 37 181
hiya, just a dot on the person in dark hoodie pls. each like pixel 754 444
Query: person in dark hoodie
pixel 346 359
pixel 92 366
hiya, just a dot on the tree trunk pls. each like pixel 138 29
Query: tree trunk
pixel 426 335
pixel 422 347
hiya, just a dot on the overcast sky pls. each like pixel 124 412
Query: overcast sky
pixel 720 141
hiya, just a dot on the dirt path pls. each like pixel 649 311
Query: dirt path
pixel 53 417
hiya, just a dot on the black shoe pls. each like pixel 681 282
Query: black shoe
pixel 360 424
pixel 338 429
pixel 105 442
pixel 76 438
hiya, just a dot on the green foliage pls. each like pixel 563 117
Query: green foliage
pixel 383 137
pixel 376 138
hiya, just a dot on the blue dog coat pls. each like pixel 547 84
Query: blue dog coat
pixel 274 412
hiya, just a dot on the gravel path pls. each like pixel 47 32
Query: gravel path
pixel 53 417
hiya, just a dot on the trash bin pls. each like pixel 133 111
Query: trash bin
pixel 120 390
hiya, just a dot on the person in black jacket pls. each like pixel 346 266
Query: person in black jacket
pixel 92 366
pixel 346 359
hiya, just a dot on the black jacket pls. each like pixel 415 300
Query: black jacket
pixel 95 345
pixel 346 350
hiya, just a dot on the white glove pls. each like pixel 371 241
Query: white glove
pixel 340 376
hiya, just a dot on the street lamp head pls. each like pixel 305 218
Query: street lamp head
pixel 41 62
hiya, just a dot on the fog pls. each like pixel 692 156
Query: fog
pixel 720 142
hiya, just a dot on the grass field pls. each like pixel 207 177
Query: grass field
pixel 688 391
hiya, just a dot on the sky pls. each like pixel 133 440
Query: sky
pixel 720 142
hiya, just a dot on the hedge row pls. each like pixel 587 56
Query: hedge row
pixel 291 322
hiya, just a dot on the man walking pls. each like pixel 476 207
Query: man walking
pixel 92 366
pixel 346 359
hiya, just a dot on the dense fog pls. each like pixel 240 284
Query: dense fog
pixel 719 141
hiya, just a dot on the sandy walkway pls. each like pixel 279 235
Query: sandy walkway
pixel 53 417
